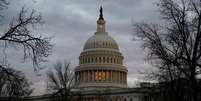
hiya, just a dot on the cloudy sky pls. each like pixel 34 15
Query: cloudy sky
pixel 72 22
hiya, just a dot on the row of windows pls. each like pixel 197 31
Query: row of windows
pixel 102 45
pixel 101 75
pixel 100 52
pixel 114 60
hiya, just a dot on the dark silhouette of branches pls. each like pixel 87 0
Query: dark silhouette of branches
pixel 35 47
pixel 20 35
pixel 61 81
pixel 13 84
pixel 175 47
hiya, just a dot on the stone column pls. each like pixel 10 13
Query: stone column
pixel 92 75
pixel 79 77
pixel 122 77
pixel 83 76
pixel 96 75
pixel 111 76
pixel 114 76
pixel 88 76
pixel 118 77
pixel 124 80
pixel 102 76
pixel 107 75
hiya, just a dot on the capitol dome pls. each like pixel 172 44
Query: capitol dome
pixel 101 40
pixel 101 62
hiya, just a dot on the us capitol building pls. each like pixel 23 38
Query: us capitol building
pixel 101 75
pixel 101 62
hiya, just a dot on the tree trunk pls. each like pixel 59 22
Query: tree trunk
pixel 194 89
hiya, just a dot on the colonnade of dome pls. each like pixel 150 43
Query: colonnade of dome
pixel 102 57
pixel 107 76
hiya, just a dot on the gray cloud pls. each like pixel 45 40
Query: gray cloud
pixel 72 22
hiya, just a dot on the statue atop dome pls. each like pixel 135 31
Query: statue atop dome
pixel 101 22
pixel 101 13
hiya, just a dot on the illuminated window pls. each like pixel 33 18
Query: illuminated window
pixel 96 76
pixel 107 75
pixel 103 75
pixel 99 75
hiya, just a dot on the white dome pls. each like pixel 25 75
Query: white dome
pixel 101 40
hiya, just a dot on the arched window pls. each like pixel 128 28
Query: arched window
pixel 107 75
pixel 84 60
pixel 117 60
pixel 111 60
pixel 96 60
pixel 88 60
pixel 103 59
pixel 100 60
pixel 92 60
pixel 108 60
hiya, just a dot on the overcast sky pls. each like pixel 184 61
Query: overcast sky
pixel 72 22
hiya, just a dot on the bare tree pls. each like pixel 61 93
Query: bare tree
pixel 61 80
pixel 175 47
pixel 20 35
pixel 13 84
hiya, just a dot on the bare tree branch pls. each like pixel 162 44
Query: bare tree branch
pixel 61 80
pixel 19 34
pixel 13 84
pixel 175 48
